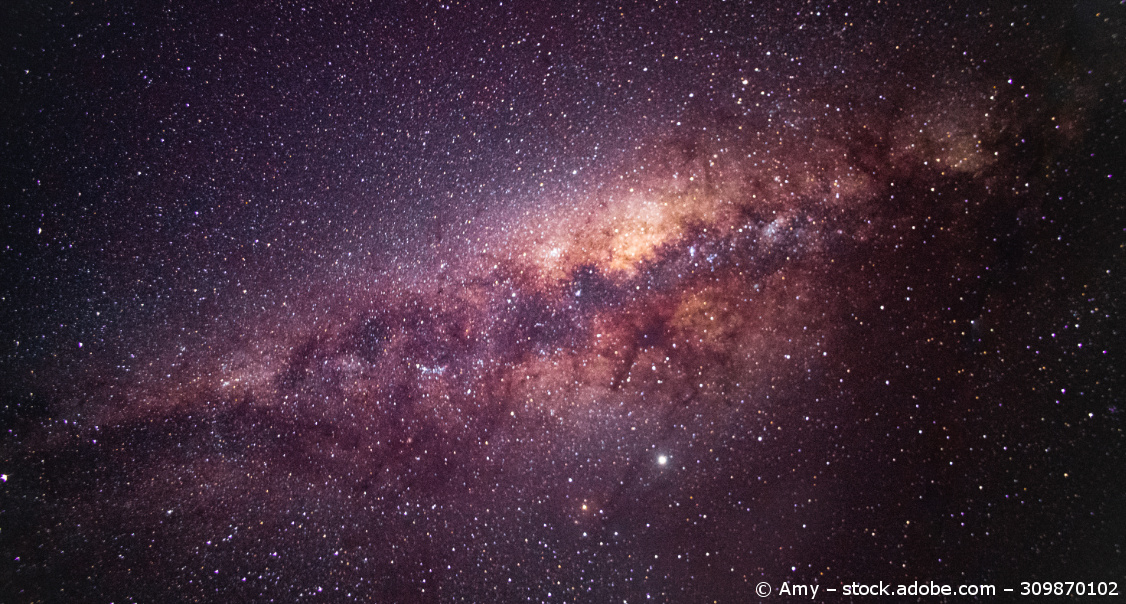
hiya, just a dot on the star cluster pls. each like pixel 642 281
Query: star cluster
pixel 564 303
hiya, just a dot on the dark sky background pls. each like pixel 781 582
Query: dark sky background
pixel 558 302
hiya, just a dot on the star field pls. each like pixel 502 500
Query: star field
pixel 514 302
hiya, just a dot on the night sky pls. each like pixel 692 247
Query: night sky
pixel 558 302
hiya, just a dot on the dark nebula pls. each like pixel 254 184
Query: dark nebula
pixel 559 302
